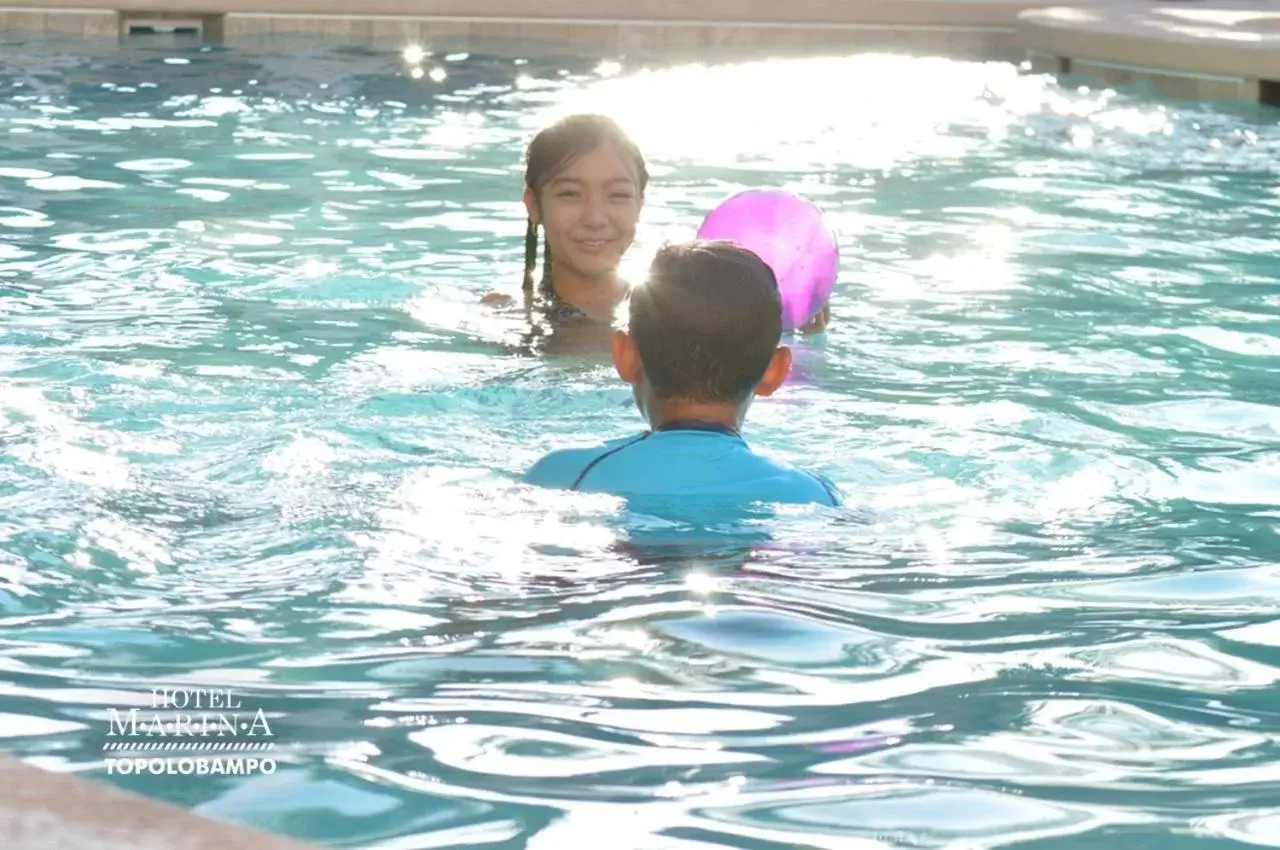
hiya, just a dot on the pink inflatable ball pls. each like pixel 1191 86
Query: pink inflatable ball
pixel 788 233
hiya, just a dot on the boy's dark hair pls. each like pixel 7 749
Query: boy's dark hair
pixel 552 151
pixel 706 322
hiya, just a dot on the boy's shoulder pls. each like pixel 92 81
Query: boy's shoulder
pixel 561 468
pixel 805 483
pixel 780 480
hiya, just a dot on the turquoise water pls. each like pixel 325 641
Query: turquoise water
pixel 258 435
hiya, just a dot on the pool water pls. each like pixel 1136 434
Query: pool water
pixel 258 435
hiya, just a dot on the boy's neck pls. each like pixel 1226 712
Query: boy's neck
pixel 668 412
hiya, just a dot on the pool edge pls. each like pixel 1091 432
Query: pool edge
pixel 649 29
pixel 1187 50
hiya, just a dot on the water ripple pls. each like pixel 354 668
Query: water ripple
pixel 258 434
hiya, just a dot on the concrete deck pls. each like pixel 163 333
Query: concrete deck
pixel 44 810
pixel 1229 48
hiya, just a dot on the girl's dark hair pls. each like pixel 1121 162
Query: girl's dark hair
pixel 552 151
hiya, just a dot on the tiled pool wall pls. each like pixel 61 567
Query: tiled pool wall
pixel 639 40
pixel 1164 82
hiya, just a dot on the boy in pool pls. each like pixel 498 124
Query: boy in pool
pixel 703 342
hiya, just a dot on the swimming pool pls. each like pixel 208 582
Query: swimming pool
pixel 258 436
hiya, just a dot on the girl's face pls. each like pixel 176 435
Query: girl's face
pixel 589 211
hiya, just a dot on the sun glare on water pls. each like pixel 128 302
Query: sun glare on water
pixel 870 111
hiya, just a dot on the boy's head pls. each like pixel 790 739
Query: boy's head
pixel 703 336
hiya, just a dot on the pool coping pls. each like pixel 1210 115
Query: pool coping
pixel 1000 13
pixel 710 30
pixel 1189 48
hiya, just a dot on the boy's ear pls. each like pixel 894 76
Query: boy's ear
pixel 531 206
pixel 776 374
pixel 626 357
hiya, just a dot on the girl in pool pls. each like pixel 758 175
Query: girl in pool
pixel 584 188
pixel 585 181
